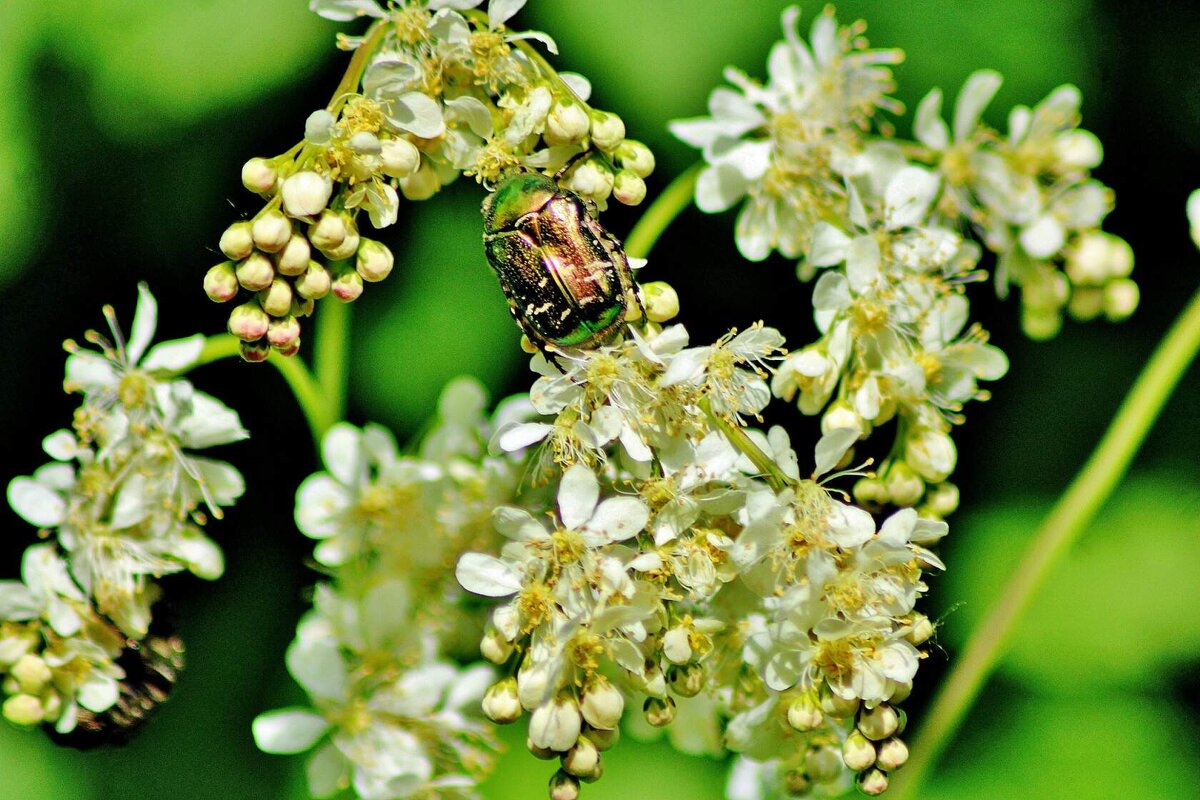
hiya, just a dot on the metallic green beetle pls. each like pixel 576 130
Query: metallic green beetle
pixel 566 278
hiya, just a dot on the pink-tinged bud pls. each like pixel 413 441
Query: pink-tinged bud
pixel 374 261
pixel 422 184
pixel 306 193
pixel 314 283
pixel 892 753
pixel 256 272
pixel 255 352
pixel 293 259
pixel 567 123
pixel 328 232
pixel 347 285
pixel 564 786
pixel 501 704
pixel 276 299
pixel 608 130
pixel 602 704
pixel 221 283
pixel 399 158
pixel 873 782
pixel 349 245
pixel 284 331
pixel 259 175
pixel 271 231
pixel 628 188
pixel 287 351
pixel 858 752
pixel 249 322
pixel 635 157
pixel 237 241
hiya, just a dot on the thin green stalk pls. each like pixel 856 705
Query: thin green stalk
pixel 746 446
pixel 331 353
pixel 1074 511
pixel 318 412
pixel 665 208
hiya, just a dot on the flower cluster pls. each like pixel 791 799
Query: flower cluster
pixel 686 566
pixel 124 500
pixel 436 89
pixel 393 714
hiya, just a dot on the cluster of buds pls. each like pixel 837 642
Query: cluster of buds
pixel 435 91
pixel 123 500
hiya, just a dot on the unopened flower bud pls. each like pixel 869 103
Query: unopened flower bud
pixel 348 246
pixel 797 783
pixel 1039 324
pixel 823 763
pixel 315 282
pixel 858 752
pixel 365 143
pixel 271 231
pixel 318 127
pixel 635 157
pixel 293 259
pixel 931 453
pixel 399 157
pixel 878 723
pixel 256 272
pixel 283 332
pixel 542 753
pixel 259 175
pixel 659 711
pixel 591 179
pixel 838 707
pixel 237 241
pixel 602 704
pixel 653 682
pixel 329 231
pixel 1120 299
pixel 628 188
pixel 841 414
pixel 556 724
pixel 288 350
pixel 676 645
pixel 608 130
pixel 564 786
pixel 1086 303
pixel 582 759
pixel 306 193
pixel 686 680
pixel 249 322
pixel 32 673
pixel 373 261
pixel 942 499
pixel 603 739
pixel 422 184
pixel 920 630
pixel 23 709
pixel 904 484
pixel 1096 256
pixel 660 301
pixel 899 694
pixel 804 714
pixel 276 299
pixel 873 782
pixel 500 703
pixel 301 307
pixel 51 704
pixel 595 774
pixel 871 491
pixel 347 285
pixel 567 123
pixel 221 283
pixel 892 754
pixel 1078 150
pixel 494 647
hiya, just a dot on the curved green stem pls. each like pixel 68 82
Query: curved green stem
pixel 1073 512
pixel 331 353
pixel 746 446
pixel 665 208
pixel 317 410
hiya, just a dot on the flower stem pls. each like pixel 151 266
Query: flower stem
pixel 1073 512
pixel 331 353
pixel 358 64
pixel 665 208
pixel 317 411
pixel 746 446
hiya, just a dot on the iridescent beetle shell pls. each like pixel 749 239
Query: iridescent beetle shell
pixel 566 278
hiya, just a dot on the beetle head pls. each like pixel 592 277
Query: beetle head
pixel 517 196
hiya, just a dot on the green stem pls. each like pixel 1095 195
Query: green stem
pixel 1074 511
pixel 317 411
pixel 746 446
pixel 358 64
pixel 331 353
pixel 665 208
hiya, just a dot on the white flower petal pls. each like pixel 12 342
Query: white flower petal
pixel 928 125
pixel 974 97
pixel 36 504
pixel 501 11
pixel 341 450
pixel 175 355
pixel 145 320
pixel 518 435
pixel 317 665
pixel 285 731
pixel 417 113
pixel 578 84
pixel 487 575
pixel 1044 237
pixel 577 496
pixel 832 447
pixel 719 187
pixel 98 692
pixel 908 196
pixel 619 518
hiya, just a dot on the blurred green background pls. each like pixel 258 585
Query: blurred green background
pixel 124 127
